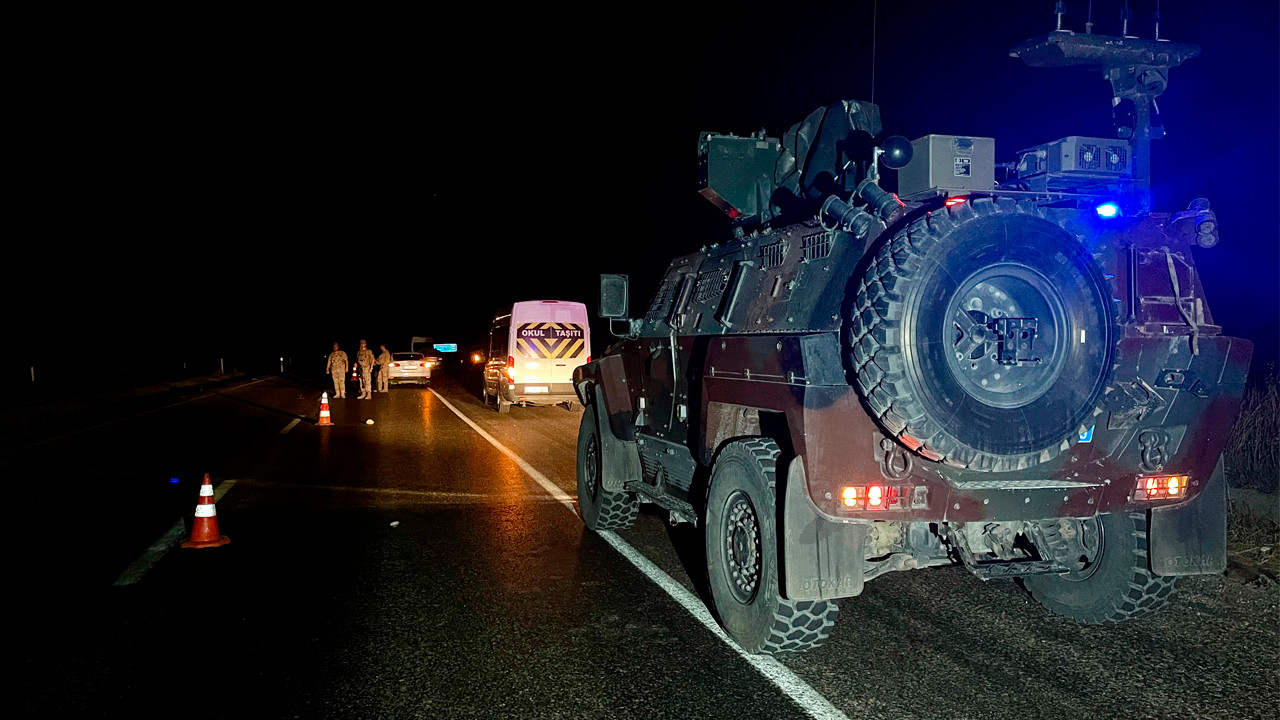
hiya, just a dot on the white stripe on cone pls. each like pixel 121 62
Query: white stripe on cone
pixel 207 510
pixel 206 491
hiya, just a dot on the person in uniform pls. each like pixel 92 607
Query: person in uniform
pixel 384 370
pixel 337 368
pixel 364 358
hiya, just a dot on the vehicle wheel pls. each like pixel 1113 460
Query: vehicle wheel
pixel 484 392
pixel 742 556
pixel 1116 586
pixel 599 508
pixel 984 336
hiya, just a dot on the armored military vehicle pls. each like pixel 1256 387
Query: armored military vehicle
pixel 1020 375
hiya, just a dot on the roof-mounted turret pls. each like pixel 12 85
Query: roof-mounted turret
pixel 1138 70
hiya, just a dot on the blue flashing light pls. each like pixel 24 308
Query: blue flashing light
pixel 173 481
pixel 1108 210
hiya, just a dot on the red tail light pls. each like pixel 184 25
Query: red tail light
pixel 875 497
pixel 511 369
pixel 1162 487
pixel 588 358
pixel 395 364
pixel 885 497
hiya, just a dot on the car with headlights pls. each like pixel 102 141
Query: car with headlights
pixel 408 367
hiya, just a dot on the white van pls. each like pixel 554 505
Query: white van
pixel 533 349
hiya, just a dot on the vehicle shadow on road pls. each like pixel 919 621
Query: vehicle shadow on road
pixel 690 545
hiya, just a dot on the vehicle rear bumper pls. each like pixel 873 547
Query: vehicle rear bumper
pixel 556 393
pixel 409 377
pixel 1169 414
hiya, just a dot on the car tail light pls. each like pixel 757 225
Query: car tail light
pixel 588 358
pixel 1162 487
pixel 395 364
pixel 511 369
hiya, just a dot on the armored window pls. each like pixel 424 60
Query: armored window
pixel 815 246
pixel 772 255
pixel 710 284
pixel 662 300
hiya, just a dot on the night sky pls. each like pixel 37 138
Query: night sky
pixel 263 184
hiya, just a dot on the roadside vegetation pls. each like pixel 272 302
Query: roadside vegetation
pixel 1253 471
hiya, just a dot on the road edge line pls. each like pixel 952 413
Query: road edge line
pixel 814 703
pixel 553 489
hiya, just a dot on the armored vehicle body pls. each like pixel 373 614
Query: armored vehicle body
pixel 1022 376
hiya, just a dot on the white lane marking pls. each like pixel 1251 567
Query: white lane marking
pixel 139 567
pixel 172 536
pixel 812 701
pixel 538 477
pixel 290 426
pixel 222 489
pixel 802 693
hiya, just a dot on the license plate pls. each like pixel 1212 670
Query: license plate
pixel 530 389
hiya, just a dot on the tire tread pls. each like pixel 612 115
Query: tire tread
pixel 796 625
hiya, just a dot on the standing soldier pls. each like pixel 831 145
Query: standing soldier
pixel 384 370
pixel 364 358
pixel 337 368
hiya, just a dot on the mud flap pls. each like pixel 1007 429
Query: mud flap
pixel 821 560
pixel 1191 539
pixel 619 459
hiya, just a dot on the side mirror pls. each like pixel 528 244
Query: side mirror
pixel 614 301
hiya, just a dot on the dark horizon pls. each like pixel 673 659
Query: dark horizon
pixel 212 188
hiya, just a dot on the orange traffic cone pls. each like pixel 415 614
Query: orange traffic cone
pixel 204 531
pixel 324 410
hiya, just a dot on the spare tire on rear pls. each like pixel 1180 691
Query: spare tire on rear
pixel 984 335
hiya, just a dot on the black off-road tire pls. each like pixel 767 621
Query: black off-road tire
pixel 926 379
pixel 754 614
pixel 600 509
pixel 1121 586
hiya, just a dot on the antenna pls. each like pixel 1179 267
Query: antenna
pixel 875 6
pixel 1157 19
pixel 1124 19
pixel 1138 70
pixel 1088 23
pixel 1060 9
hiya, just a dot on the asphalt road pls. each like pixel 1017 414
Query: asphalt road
pixel 411 568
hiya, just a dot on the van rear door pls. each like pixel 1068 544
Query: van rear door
pixel 575 346
pixel 552 338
